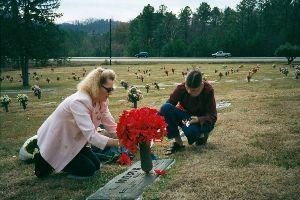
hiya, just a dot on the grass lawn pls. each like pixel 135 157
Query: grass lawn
pixel 253 152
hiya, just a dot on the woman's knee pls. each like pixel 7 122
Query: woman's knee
pixel 90 154
pixel 206 129
pixel 166 108
pixel 89 170
pixel 190 131
pixel 97 164
pixel 81 165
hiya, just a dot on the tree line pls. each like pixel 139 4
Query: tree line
pixel 253 28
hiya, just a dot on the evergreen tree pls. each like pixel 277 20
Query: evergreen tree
pixel 34 34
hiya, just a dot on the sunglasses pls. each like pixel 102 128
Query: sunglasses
pixel 108 90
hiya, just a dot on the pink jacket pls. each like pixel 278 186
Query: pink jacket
pixel 71 126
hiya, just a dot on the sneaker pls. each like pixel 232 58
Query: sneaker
pixel 174 148
pixel 191 140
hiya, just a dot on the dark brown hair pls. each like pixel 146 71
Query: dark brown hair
pixel 193 79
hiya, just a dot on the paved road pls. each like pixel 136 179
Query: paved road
pixel 184 60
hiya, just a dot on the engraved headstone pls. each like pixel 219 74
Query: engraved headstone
pixel 131 183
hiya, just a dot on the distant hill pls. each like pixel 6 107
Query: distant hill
pixel 90 26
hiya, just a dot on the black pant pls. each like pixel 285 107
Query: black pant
pixel 85 163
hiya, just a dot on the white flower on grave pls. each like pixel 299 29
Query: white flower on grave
pixel 134 94
pixel 5 100
pixel 22 98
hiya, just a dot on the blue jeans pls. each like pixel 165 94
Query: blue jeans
pixel 174 116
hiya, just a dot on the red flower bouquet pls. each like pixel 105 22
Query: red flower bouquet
pixel 139 126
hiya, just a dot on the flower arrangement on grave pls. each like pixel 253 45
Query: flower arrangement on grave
pixel 36 91
pixel 23 99
pixel 156 86
pixel 136 130
pixel 5 100
pixel 124 84
pixel 134 95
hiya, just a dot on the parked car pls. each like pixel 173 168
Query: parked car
pixel 221 54
pixel 142 54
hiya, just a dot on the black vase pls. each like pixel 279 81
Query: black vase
pixel 6 107
pixel 23 104
pixel 135 104
pixel 146 159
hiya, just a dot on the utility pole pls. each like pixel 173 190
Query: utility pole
pixel 109 41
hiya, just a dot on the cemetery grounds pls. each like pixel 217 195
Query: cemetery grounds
pixel 253 152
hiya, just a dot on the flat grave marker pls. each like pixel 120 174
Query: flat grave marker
pixel 131 183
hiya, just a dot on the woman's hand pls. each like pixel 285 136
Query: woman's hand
pixel 113 142
pixel 105 133
pixel 194 120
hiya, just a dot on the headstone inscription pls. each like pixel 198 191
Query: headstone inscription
pixel 131 183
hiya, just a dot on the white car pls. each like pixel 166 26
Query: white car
pixel 221 54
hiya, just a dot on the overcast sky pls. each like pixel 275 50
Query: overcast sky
pixel 125 10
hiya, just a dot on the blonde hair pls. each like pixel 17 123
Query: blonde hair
pixel 94 80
